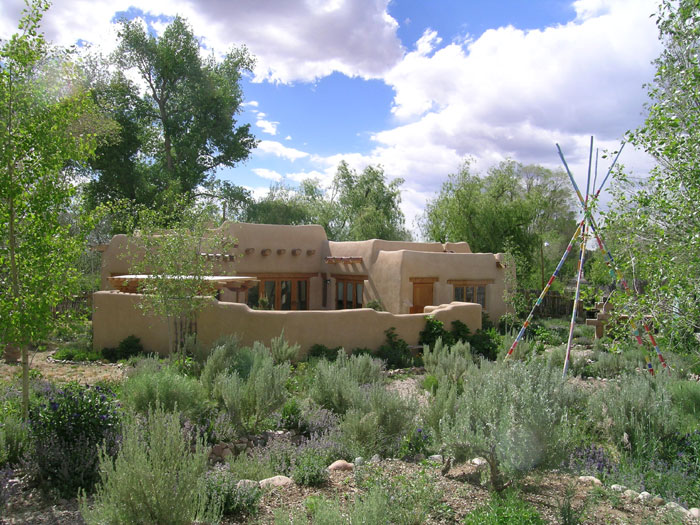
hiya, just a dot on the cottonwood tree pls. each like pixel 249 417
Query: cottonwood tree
pixel 657 222
pixel 46 120
pixel 177 132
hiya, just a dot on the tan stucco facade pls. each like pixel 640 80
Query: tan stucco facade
pixel 385 271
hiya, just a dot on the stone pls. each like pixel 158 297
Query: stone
pixel 436 457
pixel 479 462
pixel 247 484
pixel 590 480
pixel 276 481
pixel 226 453
pixel 657 501
pixel 630 494
pixel 644 497
pixel 375 459
pixel 341 465
pixel 359 461
pixel 618 488
pixel 675 507
pixel 217 449
pixel 695 513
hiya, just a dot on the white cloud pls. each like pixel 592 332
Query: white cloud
pixel 275 148
pixel 267 126
pixel 267 174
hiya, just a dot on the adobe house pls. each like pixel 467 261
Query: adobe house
pixel 318 290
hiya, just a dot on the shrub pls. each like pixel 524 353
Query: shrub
pixel 76 354
pixel 506 508
pixel 154 478
pixel 448 363
pixel 148 386
pixel 66 430
pixel 128 347
pixel 250 401
pixel 416 442
pixel 253 465
pixel 460 331
pixel 485 343
pixel 14 440
pixel 395 351
pixel 337 384
pixel 377 422
pixel 282 352
pixel 512 416
pixel 221 491
pixel 375 305
pixel 636 414
pixel 441 407
pixel 310 468
pixel 323 352
pixel 434 330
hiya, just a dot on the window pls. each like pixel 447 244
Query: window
pixel 280 293
pixel 470 291
pixel 349 291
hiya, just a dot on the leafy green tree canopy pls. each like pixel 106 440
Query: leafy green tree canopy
pixel 181 128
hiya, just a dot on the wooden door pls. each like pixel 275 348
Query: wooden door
pixel 422 296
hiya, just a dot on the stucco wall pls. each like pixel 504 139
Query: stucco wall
pixel 116 316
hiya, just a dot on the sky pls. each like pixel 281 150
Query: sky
pixel 416 86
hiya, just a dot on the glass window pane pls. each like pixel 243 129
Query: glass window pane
pixel 469 294
pixel 285 295
pixel 270 294
pixel 481 295
pixel 340 286
pixel 253 296
pixel 348 303
pixel 302 303
pixel 459 293
pixel 358 295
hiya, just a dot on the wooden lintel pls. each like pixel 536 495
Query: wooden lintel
pixel 343 260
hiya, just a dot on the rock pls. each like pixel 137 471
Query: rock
pixel 590 480
pixel 695 513
pixel 436 457
pixel 479 462
pixel 630 494
pixel 341 465
pixel 657 501
pixel 675 507
pixel 247 484
pixel 375 459
pixel 358 461
pixel 618 488
pixel 276 481
pixel 226 453
pixel 419 457
pixel 644 497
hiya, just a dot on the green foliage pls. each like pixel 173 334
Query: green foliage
pixel 155 478
pixel 220 491
pixel 153 384
pixel 505 508
pixel 283 352
pixel 376 305
pixel 324 352
pixel 336 385
pixel 251 401
pixel 14 440
pixel 511 209
pixel 310 468
pixel 76 354
pixel 448 364
pixel 416 442
pixel 251 466
pixel 512 415
pixel 395 351
pixel 376 422
pixel 128 347
pixel 441 409
pixel 227 355
pixel 66 430
pixel 433 331
pixel 43 127
pixel 636 413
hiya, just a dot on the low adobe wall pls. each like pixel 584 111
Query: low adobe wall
pixel 116 316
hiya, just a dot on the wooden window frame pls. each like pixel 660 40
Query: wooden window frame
pixel 349 279
pixel 474 284
pixel 294 278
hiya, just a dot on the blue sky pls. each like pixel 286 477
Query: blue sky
pixel 414 85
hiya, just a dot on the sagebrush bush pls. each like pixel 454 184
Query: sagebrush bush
pixel 310 468
pixel 164 385
pixel 635 414
pixel 66 430
pixel 336 385
pixel 441 406
pixel 283 352
pixel 220 491
pixel 448 363
pixel 511 415
pixel 377 422
pixel 155 477
pixel 251 401
pixel 14 440
pixel 255 465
